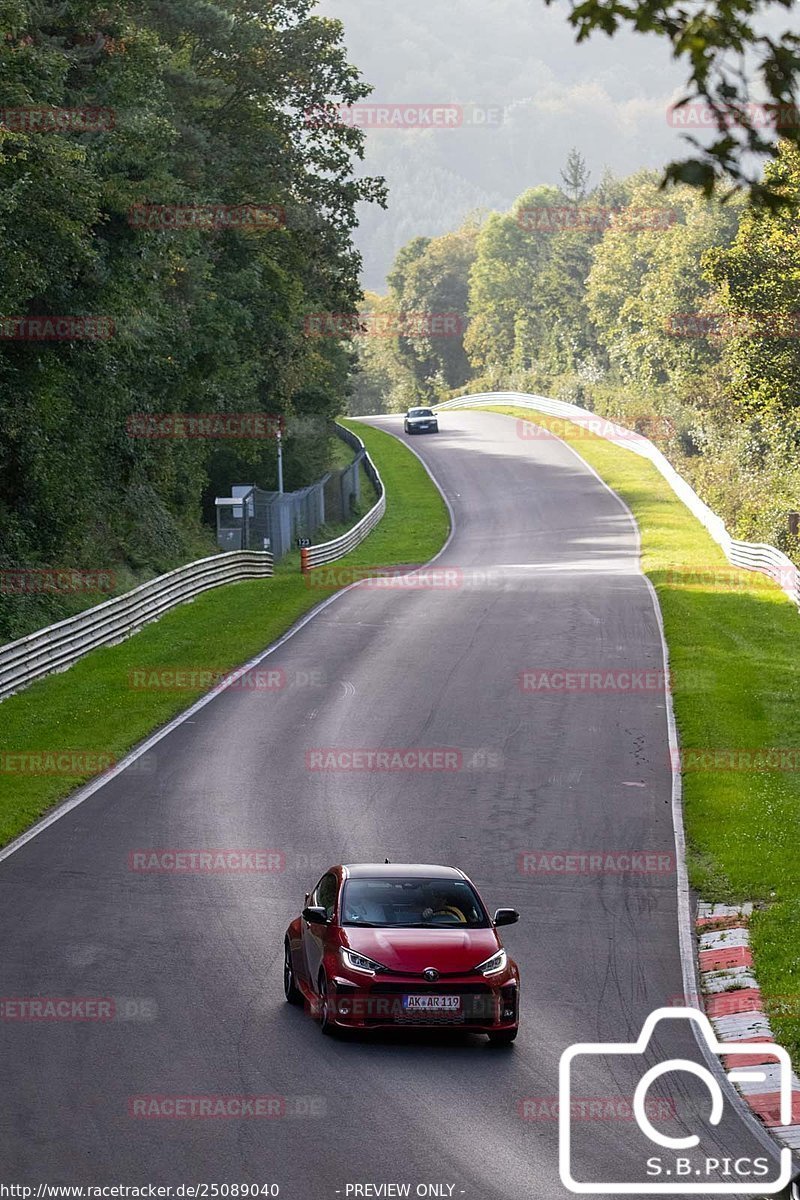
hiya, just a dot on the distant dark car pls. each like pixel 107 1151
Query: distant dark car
pixel 388 945
pixel 421 420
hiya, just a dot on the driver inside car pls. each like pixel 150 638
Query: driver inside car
pixel 441 909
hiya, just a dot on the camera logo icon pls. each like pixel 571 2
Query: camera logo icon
pixel 683 1175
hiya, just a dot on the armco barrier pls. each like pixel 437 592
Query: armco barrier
pixel 325 552
pixel 60 645
pixel 751 556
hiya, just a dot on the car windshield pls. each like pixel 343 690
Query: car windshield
pixel 420 412
pixel 412 903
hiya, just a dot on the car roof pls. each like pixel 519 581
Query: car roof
pixel 401 871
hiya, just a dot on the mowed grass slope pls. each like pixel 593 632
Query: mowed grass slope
pixel 95 707
pixel 734 645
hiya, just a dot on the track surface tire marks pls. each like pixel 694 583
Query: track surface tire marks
pixel 550 580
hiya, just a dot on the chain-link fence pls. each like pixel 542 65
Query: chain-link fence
pixel 253 519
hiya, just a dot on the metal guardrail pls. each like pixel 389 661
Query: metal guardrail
pixel 60 645
pixel 751 556
pixel 325 552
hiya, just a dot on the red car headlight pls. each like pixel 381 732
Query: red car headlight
pixel 360 962
pixel 494 965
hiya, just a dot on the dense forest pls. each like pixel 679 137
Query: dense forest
pixel 164 193
pixel 177 233
pixel 677 316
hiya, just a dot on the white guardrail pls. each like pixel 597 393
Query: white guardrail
pixel 326 552
pixel 60 645
pixel 751 556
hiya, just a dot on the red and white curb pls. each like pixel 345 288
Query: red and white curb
pixel 735 1006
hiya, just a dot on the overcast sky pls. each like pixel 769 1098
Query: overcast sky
pixel 527 94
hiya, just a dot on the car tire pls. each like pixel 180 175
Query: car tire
pixel 503 1037
pixel 325 1024
pixel 290 989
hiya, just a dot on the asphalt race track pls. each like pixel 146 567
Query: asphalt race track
pixel 542 572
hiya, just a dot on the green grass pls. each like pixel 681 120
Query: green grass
pixel 340 454
pixel 734 644
pixel 93 707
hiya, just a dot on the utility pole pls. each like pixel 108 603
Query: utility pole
pixel 280 463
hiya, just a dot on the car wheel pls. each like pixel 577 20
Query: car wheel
pixel 290 988
pixel 503 1037
pixel 326 1025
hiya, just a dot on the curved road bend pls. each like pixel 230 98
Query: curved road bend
pixel 550 580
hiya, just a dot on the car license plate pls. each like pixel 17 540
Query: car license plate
pixel 432 1003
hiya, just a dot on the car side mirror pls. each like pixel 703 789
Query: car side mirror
pixel 506 916
pixel 315 915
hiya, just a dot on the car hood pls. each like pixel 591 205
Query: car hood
pixel 450 951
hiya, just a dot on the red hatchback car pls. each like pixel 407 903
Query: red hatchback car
pixel 392 944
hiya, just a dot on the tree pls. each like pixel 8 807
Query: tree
pixel 211 106
pixel 512 249
pixel 430 283
pixel 758 277
pixel 575 177
pixel 383 380
pixel 646 287
pixel 569 338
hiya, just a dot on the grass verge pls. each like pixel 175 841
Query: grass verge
pixel 95 706
pixel 733 640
